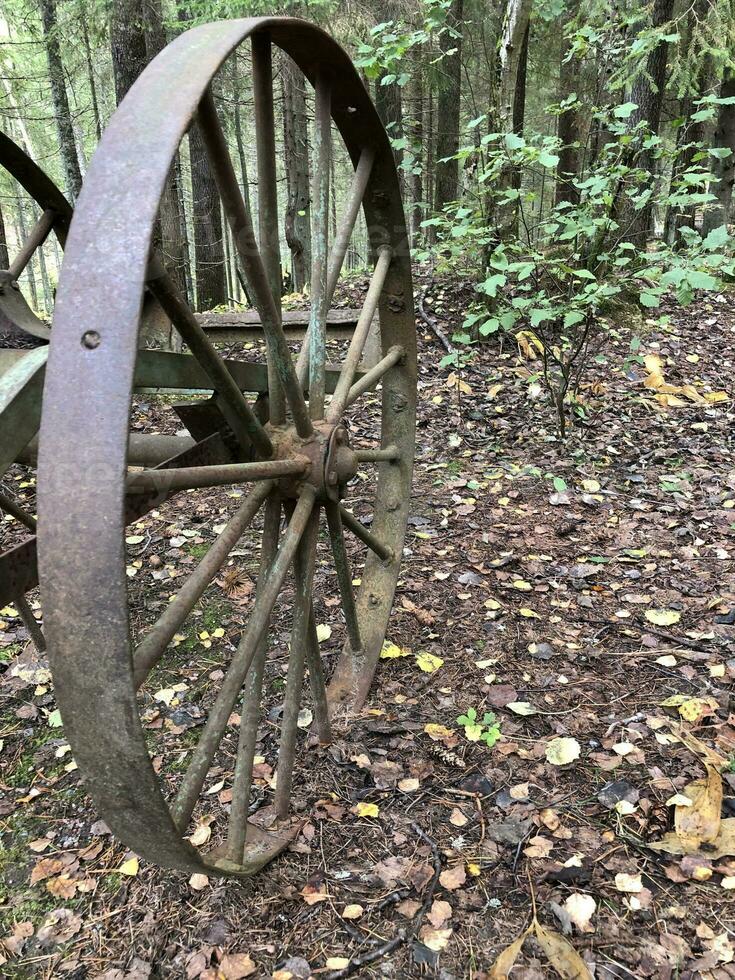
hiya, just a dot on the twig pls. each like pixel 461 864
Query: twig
pixel 432 323
pixel 403 935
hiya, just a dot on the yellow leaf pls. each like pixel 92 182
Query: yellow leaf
pixel 522 586
pixel 700 822
pixel 337 962
pixel 428 662
pixel 591 486
pixel 662 617
pixel 528 613
pixel 562 955
pixel 695 708
pixel 129 867
pixel 562 751
pixel 352 911
pixel 366 810
pixel 492 604
pixel 505 959
pixel 390 651
pixel 323 632
pixel 722 846
pixel 717 396
pixel 438 733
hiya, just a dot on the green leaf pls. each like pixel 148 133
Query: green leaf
pixel 649 300
pixel 701 280
pixel 625 110
pixel 717 238
pixel 514 142
pixel 548 159
pixel 560 484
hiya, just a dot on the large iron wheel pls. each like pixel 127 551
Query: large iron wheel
pixel 301 460
pixel 15 314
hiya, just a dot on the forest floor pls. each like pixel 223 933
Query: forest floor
pixel 577 592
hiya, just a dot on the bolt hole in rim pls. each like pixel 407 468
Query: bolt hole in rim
pixel 83 473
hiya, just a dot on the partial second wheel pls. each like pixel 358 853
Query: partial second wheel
pixel 300 447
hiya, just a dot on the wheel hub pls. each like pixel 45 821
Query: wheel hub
pixel 332 461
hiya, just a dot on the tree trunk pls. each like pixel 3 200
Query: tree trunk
pixel 648 93
pixel 90 79
pixel 4 256
pixel 127 43
pixel 417 139
pixel 515 26
pixel 296 156
pixel 567 130
pixel 209 256
pixel 724 170
pixel 448 106
pixel 62 113
pixel 169 234
pixel 390 109
pixel 30 269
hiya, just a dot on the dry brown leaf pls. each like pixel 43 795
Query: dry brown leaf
pixel 722 846
pixel 62 887
pixel 235 966
pixel 562 955
pixel 435 939
pixel 507 957
pixel 700 822
pixel 453 878
pixel 439 912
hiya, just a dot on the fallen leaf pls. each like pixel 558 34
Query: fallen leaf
pixel 428 662
pixel 435 939
pixel 129 867
pixel 352 911
pixel 662 617
pixel 562 955
pixel 630 884
pixel 700 822
pixel 439 913
pixel 580 908
pixel 453 878
pixel 198 882
pixel 366 809
pixel 235 966
pixel 562 751
pixel 524 708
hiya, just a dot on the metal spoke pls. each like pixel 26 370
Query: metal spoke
pixel 316 682
pixel 268 227
pixel 304 580
pixel 341 243
pixel 372 378
pixel 39 234
pixel 30 622
pixel 391 454
pixel 191 477
pixel 11 507
pixel 244 236
pixel 250 714
pixel 360 531
pixel 151 648
pixel 319 246
pixel 239 415
pixel 359 338
pixel 344 575
pixel 211 736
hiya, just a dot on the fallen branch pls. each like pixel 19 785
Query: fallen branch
pixel 431 321
pixel 403 935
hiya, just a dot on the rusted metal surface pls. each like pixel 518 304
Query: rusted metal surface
pixel 91 374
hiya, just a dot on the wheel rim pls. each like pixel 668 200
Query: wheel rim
pixel 84 438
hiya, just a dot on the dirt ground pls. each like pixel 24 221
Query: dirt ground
pixel 578 593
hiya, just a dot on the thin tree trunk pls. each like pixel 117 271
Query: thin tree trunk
pixel 4 256
pixel 724 169
pixel 62 114
pixel 515 25
pixel 567 130
pixel 48 299
pixel 448 107
pixel 417 139
pixel 297 218
pixel 390 109
pixel 30 270
pixel 90 78
pixel 647 94
pixel 209 256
